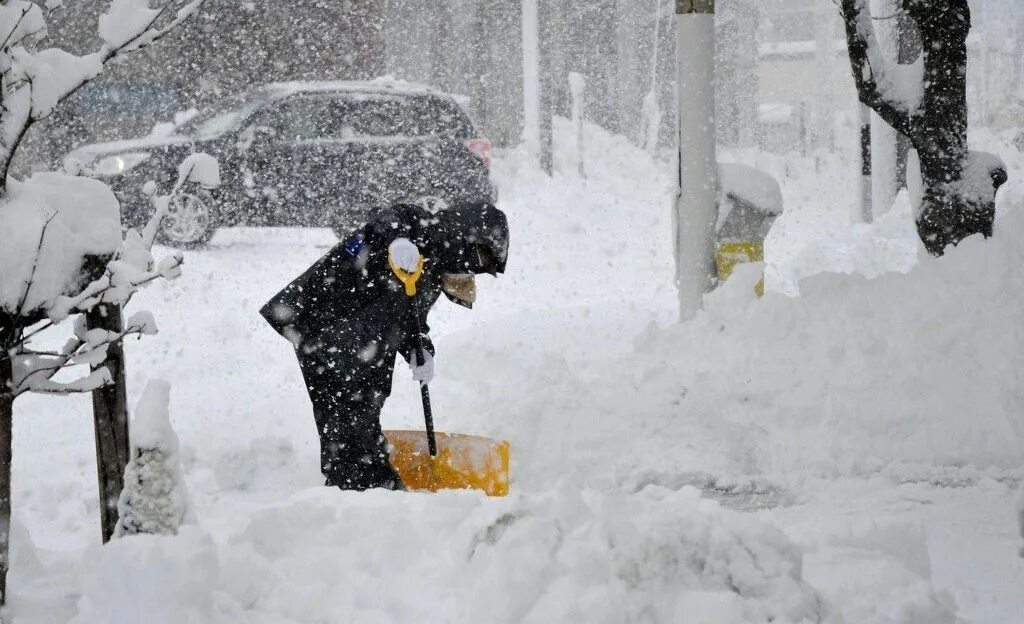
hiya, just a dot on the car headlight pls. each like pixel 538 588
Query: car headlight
pixel 118 163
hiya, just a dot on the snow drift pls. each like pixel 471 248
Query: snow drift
pixel 561 556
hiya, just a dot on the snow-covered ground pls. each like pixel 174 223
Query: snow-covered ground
pixel 847 455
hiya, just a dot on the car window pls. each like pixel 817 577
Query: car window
pixel 350 117
pixel 303 119
pixel 218 119
pixel 397 116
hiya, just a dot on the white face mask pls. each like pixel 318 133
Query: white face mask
pixel 460 288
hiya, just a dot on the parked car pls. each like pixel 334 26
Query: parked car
pixel 302 154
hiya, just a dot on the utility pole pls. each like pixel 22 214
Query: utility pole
pixel 696 209
pixel 536 87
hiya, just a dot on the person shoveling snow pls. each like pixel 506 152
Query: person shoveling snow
pixel 366 300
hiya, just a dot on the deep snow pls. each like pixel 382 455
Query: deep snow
pixel 858 447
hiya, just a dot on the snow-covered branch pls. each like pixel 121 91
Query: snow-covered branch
pixel 874 76
pixel 34 372
pixel 130 267
pixel 33 82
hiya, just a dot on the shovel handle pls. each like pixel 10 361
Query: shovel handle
pixel 428 415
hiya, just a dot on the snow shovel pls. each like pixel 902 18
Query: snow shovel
pixel 443 461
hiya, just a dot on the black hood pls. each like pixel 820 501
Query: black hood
pixel 477 239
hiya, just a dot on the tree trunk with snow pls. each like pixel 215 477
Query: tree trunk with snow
pixel 959 188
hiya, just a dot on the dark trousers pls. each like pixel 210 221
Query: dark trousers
pixel 347 370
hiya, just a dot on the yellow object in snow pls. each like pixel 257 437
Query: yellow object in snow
pixel 739 252
pixel 463 462
pixel 407 278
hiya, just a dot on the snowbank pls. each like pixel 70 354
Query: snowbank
pixel 562 556
pixel 84 219
pixel 856 373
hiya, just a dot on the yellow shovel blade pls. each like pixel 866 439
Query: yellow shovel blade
pixel 462 462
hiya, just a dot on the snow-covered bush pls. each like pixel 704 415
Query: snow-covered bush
pixel 51 227
pixel 154 499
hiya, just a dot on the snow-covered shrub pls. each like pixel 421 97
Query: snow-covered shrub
pixel 154 499
pixel 51 226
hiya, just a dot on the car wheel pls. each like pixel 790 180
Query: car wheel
pixel 190 220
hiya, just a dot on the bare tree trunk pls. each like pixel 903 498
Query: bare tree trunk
pixel 110 415
pixel 6 438
pixel 864 116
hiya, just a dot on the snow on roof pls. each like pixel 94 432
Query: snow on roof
pixel 381 85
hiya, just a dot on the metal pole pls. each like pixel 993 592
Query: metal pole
pixel 696 209
pixel 110 416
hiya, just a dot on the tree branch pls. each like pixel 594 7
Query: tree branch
pixel 147 36
pixel 868 66
pixel 20 310
pixel 72 355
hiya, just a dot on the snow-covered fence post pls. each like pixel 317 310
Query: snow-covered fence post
pixel 578 87
pixel 110 417
pixel 696 209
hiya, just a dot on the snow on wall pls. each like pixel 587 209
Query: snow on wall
pixel 85 221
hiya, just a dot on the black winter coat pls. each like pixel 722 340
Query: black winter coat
pixel 354 282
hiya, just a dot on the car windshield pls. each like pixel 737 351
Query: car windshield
pixel 221 117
